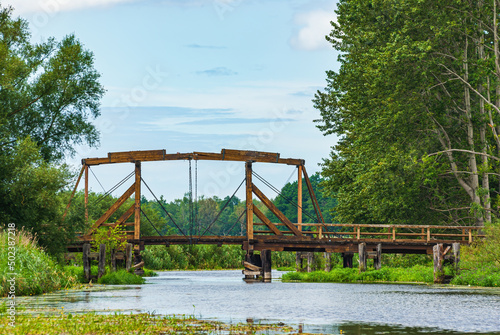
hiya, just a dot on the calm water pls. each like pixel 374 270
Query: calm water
pixel 326 308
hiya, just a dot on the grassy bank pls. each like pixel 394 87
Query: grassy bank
pixel 95 324
pixel 417 273
pixel 35 271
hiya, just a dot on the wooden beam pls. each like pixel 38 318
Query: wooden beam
pixel 299 196
pixel 73 193
pixel 276 211
pixel 313 197
pixel 137 207
pixel 161 155
pixel 86 194
pixel 113 208
pixel 266 221
pixel 248 199
pixel 125 217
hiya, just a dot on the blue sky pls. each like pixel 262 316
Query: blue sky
pixel 199 75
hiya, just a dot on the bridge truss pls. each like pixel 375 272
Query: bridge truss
pixel 262 234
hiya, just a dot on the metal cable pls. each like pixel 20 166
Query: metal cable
pixel 158 201
pixel 151 222
pixel 224 207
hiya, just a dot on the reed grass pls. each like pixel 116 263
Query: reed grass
pixel 35 271
pixel 417 273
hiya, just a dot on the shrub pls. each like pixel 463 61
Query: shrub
pixel 121 277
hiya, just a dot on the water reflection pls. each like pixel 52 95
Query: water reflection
pixel 318 307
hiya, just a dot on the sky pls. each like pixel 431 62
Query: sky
pixel 199 75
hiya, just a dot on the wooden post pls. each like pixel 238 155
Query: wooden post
pixel 298 261
pixel 138 263
pixel 128 256
pixel 86 193
pixel 299 198
pixel 456 256
pixel 437 251
pixel 394 233
pixel 377 262
pixel 309 261
pixel 265 256
pixel 137 217
pixel 347 259
pixel 86 261
pixel 358 233
pixel 362 257
pixel 328 261
pixel 102 260
pixel 113 260
pixel 249 201
pixel 428 234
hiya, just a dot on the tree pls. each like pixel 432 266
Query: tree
pixel 415 104
pixel 49 92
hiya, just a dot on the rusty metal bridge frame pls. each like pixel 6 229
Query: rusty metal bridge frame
pixel 267 235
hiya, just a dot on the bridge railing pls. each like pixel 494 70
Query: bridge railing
pixel 416 233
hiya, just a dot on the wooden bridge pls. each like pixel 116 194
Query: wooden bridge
pixel 262 235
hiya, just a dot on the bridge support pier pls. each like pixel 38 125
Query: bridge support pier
pixel 328 261
pixel 300 256
pixel 362 257
pixel 347 259
pixel 258 266
pixel 86 261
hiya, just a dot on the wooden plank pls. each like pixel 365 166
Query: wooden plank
pixel 266 221
pixel 113 208
pixel 251 266
pixel 248 199
pixel 276 211
pixel 251 273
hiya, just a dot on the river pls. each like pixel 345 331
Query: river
pixel 316 307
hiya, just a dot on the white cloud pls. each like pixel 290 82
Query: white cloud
pixel 53 6
pixel 314 26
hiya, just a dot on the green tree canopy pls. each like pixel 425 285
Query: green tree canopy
pixel 49 92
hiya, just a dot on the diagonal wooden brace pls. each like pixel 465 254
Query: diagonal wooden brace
pixel 113 209
pixel 276 211
pixel 265 220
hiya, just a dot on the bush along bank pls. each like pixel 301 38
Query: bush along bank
pixel 26 269
pixel 479 266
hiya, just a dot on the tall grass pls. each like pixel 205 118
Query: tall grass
pixel 36 272
pixel 417 273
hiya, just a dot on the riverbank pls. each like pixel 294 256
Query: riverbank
pixel 415 274
pixel 97 324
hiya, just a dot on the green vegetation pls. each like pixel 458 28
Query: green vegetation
pixel 49 93
pixel 480 263
pixel 121 277
pixel 204 257
pixel 415 105
pixel 36 272
pixel 417 273
pixel 94 324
